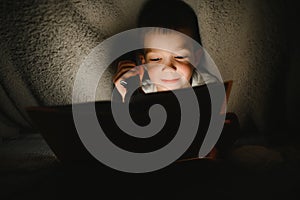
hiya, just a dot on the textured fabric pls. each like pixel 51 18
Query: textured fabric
pixel 27 153
pixel 44 42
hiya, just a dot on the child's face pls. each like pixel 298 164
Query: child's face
pixel 171 68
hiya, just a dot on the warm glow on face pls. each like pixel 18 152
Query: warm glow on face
pixel 170 66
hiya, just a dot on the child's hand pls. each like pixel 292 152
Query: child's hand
pixel 126 69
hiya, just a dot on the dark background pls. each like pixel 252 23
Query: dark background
pixel 254 43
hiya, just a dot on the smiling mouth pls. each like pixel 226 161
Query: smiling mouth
pixel 170 80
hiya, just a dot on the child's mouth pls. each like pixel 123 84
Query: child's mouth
pixel 170 81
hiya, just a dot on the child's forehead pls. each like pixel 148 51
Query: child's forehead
pixel 159 51
pixel 171 41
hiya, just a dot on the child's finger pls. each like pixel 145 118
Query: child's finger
pixel 129 73
pixel 126 63
pixel 124 74
pixel 123 67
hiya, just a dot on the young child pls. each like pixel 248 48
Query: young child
pixel 172 69
pixel 168 67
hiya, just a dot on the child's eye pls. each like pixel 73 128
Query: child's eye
pixel 180 57
pixel 154 59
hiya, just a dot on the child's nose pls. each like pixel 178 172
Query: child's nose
pixel 169 64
